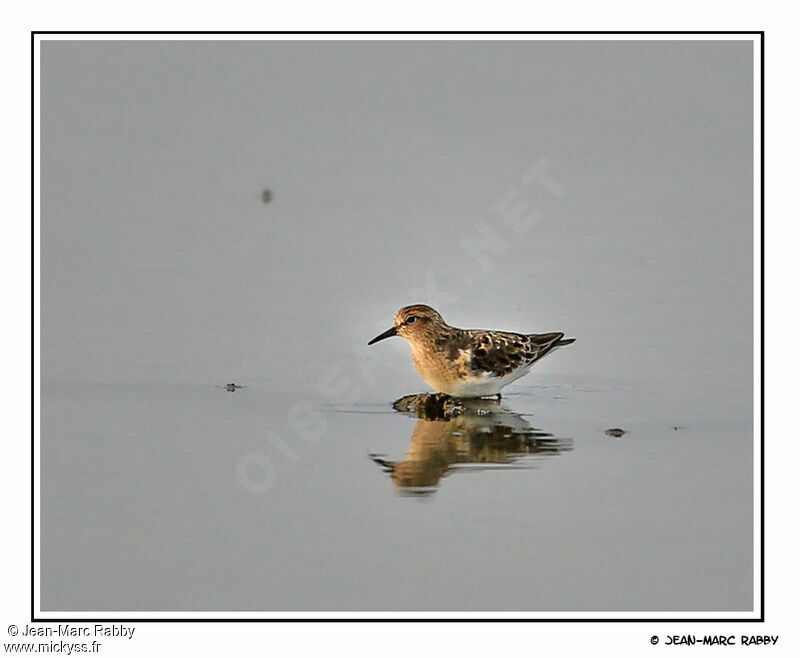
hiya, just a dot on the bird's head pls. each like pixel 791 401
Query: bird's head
pixel 414 322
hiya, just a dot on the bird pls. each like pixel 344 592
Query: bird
pixel 467 363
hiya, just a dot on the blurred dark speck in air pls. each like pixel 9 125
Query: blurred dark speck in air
pixel 266 196
pixel 615 432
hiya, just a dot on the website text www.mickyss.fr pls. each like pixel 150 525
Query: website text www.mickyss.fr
pixel 54 646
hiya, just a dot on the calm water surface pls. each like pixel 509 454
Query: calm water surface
pixel 529 507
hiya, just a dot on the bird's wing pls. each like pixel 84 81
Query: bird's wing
pixel 500 353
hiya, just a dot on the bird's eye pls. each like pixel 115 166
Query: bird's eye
pixel 411 319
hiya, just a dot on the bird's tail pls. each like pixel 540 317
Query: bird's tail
pixel 566 341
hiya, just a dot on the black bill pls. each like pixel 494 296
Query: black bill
pixel 386 334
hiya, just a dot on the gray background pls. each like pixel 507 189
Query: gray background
pixel 163 275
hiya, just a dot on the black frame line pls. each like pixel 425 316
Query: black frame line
pixel 138 620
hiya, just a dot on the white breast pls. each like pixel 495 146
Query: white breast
pixel 482 385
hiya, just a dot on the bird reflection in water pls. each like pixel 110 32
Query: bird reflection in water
pixel 455 435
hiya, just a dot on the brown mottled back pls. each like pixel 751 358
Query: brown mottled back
pixel 500 352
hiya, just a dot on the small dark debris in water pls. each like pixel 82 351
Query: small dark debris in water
pixel 615 432
pixel 231 388
pixel 678 427
pixel 430 406
pixel 266 196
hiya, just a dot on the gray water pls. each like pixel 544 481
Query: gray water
pixel 165 276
